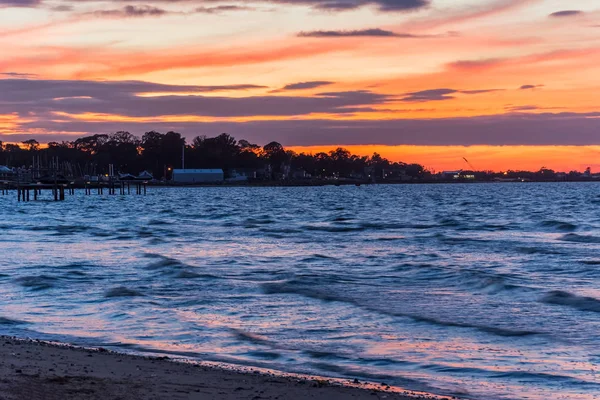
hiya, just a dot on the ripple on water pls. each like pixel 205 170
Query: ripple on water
pixel 122 291
pixel 37 282
pixel 575 238
pixel 559 225
pixel 11 322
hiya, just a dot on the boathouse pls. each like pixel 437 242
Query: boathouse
pixel 198 175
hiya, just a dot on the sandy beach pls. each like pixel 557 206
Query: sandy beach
pixel 40 370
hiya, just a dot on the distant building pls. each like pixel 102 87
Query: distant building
pixel 198 175
pixel 451 174
pixel 460 174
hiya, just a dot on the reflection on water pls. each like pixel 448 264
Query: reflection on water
pixel 489 291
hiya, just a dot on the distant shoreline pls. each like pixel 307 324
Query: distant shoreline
pixel 318 184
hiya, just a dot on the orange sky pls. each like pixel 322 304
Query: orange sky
pixel 482 158
pixel 514 80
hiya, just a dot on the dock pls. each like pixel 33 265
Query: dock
pixel 32 191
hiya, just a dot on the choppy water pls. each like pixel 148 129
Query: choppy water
pixel 486 291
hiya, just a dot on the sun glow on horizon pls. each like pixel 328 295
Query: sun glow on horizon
pixel 483 158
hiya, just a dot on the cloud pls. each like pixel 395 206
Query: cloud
pixel 480 91
pixel 306 85
pixel 342 5
pixel 476 64
pixel 440 94
pixel 17 75
pixel 521 108
pixel 375 32
pixel 48 98
pixel 528 87
pixel 429 95
pixel 328 5
pixel 541 128
pixel 106 62
pixel 221 9
pixel 62 8
pixel 60 107
pixel 19 3
pixel 566 13
pixel 132 12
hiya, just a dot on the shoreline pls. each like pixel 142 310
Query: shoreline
pixel 36 369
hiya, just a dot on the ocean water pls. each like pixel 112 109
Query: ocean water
pixel 486 291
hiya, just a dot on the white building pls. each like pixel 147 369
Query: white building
pixel 197 175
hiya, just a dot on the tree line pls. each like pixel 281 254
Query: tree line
pixel 159 153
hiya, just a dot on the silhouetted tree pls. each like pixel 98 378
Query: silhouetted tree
pixel 31 144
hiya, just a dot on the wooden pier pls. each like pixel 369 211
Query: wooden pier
pixel 33 191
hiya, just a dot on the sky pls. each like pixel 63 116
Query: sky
pixel 507 84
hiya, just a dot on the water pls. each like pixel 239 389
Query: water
pixel 483 291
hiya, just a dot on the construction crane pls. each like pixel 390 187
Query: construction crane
pixel 468 163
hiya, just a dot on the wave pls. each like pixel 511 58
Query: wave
pixel 165 262
pixel 537 250
pixel 251 337
pixel 67 229
pixel 378 226
pixel 10 322
pixel 334 229
pixel 573 237
pixel 194 275
pixel 317 257
pixel 175 268
pixel 390 238
pixel 581 303
pixel 559 225
pixel 158 222
pixel 497 285
pixel 474 280
pixel 259 221
pixel 297 287
pixel 37 282
pixel 591 262
pixel 122 291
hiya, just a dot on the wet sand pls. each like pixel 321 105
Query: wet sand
pixel 40 370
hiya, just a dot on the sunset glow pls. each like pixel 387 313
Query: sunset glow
pixel 505 83
pixel 483 158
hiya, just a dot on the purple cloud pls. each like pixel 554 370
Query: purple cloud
pixel 566 13
pixel 375 32
pixel 440 94
pixel 114 97
pixel 306 85
pixel 19 3
pixel 510 129
pixel 429 95
pixel 327 5
pixel 132 12
pixel 221 9
pixel 45 106
pixel 529 87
